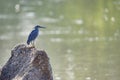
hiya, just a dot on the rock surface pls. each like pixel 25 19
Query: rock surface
pixel 27 63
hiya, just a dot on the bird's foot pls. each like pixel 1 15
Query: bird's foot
pixel 30 47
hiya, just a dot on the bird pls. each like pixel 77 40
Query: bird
pixel 33 35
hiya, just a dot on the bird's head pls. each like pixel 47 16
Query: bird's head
pixel 37 27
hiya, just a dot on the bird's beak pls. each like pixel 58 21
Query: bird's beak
pixel 41 27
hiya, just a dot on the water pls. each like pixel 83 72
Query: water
pixel 82 37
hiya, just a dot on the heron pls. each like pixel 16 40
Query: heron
pixel 33 35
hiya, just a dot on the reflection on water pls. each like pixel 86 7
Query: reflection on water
pixel 82 37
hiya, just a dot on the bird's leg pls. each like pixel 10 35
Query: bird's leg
pixel 33 44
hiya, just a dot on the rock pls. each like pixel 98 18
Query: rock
pixel 27 63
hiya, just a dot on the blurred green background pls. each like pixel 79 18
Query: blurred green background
pixel 82 37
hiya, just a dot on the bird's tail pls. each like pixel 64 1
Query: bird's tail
pixel 28 42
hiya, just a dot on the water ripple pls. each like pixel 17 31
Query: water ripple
pixel 49 20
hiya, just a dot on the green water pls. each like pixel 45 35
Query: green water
pixel 82 37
